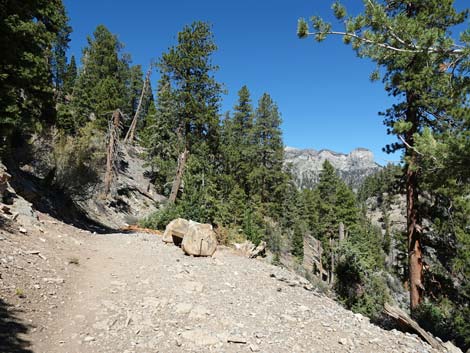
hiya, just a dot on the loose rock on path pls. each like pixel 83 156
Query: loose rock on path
pixel 133 293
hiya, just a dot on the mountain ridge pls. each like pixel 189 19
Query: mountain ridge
pixel 307 164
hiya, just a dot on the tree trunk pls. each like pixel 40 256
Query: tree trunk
pixel 110 155
pixel 131 132
pixel 341 232
pixel 332 264
pixel 179 175
pixel 415 253
pixel 406 322
pixel 320 254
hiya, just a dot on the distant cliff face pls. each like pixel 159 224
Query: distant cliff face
pixel 352 168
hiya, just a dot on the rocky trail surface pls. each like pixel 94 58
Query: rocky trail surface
pixel 65 290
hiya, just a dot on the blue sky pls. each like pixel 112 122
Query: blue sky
pixel 322 89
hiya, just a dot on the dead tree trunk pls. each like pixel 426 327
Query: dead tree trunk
pixel 341 232
pixel 332 264
pixel 179 175
pixel 132 128
pixel 320 255
pixel 410 325
pixel 111 151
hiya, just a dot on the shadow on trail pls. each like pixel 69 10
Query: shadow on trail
pixel 11 329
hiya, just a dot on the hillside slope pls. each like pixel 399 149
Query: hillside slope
pixel 131 293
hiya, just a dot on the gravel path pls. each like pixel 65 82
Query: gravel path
pixel 132 293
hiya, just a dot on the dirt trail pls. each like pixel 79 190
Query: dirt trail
pixel 69 291
pixel 132 293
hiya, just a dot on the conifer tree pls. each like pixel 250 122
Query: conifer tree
pixel 160 137
pixel 28 32
pixel 70 77
pixel 267 173
pixel 196 98
pixel 412 43
pixel 59 59
pixel 101 86
pixel 241 144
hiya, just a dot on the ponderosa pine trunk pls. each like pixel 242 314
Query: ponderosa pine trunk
pixel 415 254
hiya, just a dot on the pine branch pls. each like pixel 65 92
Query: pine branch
pixel 415 49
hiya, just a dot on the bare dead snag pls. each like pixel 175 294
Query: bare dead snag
pixel 182 159
pixel 111 153
pixel 341 232
pixel 130 135
pixel 332 262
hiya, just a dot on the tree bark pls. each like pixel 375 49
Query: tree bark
pixel 179 175
pixel 341 232
pixel 332 264
pixel 415 254
pixel 404 320
pixel 110 155
pixel 131 132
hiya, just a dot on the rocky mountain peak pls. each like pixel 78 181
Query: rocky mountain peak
pixel 306 165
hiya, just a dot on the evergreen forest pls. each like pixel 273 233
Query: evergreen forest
pixel 227 168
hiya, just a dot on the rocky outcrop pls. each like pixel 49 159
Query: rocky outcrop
pixel 353 168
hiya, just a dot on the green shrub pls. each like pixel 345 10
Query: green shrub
pixel 79 161
pixel 162 217
pixel 358 285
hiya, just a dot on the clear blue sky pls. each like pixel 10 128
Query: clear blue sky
pixel 322 89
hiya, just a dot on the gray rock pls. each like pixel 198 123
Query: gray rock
pixel 200 337
pixel 183 308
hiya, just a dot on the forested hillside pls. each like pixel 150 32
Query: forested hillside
pixel 229 168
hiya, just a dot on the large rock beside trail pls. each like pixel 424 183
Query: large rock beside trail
pixel 200 240
pixel 175 231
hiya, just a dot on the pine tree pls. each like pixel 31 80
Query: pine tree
pixel 101 85
pixel 196 98
pixel 160 136
pixel 28 31
pixel 70 77
pixel 59 59
pixel 242 139
pixel 412 43
pixel 267 173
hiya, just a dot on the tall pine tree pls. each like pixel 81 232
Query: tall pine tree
pixel 28 32
pixel 412 43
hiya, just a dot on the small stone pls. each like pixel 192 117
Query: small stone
pixel 22 230
pixel 57 280
pixel 89 339
pixel 200 337
pixel 254 348
pixel 183 308
pixel 236 339
pixel 343 341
